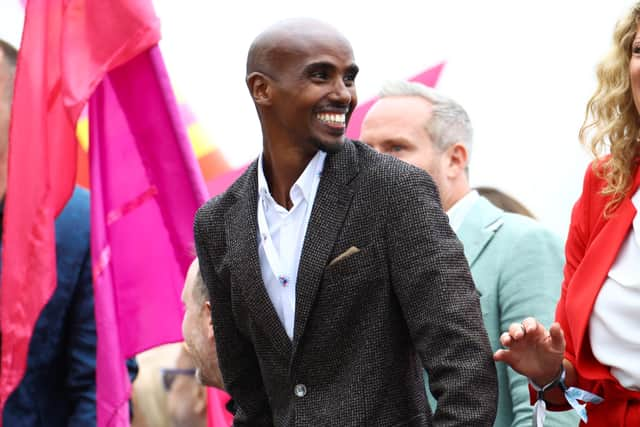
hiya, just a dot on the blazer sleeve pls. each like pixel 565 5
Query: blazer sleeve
pixel 236 355
pixel 575 249
pixel 529 285
pixel 576 246
pixel 81 351
pixel 431 279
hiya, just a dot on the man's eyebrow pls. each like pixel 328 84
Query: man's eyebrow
pixel 325 65
pixel 318 65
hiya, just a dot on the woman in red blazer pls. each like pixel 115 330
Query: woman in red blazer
pixel 604 240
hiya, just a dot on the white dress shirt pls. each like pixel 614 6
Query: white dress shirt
pixel 281 236
pixel 461 208
pixel 614 328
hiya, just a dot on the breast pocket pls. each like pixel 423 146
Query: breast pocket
pixel 362 266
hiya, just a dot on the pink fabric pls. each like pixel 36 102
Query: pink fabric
pixel 67 46
pixel 146 187
pixel 217 414
pixel 428 77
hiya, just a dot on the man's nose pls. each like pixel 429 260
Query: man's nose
pixel 341 92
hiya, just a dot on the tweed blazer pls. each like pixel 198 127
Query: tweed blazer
pixel 516 264
pixel 365 326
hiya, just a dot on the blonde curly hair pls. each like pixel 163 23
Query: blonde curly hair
pixel 612 119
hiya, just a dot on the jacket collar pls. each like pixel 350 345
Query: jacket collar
pixel 329 210
pixel 478 228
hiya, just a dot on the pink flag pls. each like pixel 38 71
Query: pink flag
pixel 67 46
pixel 146 187
pixel 428 77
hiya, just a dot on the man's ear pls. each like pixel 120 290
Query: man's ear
pixel 260 88
pixel 457 159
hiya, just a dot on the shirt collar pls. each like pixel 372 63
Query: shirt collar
pixel 303 186
pixel 461 208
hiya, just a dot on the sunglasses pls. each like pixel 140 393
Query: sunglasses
pixel 169 375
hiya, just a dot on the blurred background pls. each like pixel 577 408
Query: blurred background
pixel 523 70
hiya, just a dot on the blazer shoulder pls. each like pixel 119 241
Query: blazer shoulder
pixel 385 171
pixel 593 184
pixel 508 230
pixel 526 230
pixel 219 204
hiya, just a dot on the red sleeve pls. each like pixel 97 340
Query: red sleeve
pixel 578 240
pixel 575 248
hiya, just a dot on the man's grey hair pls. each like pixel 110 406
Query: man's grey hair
pixel 449 122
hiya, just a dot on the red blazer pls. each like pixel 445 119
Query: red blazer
pixel 591 249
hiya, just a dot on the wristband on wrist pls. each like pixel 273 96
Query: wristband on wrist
pixel 571 394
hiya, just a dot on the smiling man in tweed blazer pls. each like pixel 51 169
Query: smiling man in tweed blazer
pixel 333 273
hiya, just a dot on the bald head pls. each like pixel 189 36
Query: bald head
pixel 196 283
pixel 288 38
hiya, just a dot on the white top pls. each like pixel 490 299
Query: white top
pixel 281 235
pixel 461 208
pixel 614 328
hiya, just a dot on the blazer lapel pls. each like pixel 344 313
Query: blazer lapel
pixel 478 228
pixel 245 265
pixel 592 272
pixel 329 210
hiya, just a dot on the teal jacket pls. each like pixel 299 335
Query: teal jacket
pixel 516 265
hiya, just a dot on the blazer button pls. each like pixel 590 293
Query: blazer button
pixel 300 390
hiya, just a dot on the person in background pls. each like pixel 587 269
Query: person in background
pixel 167 392
pixel 515 262
pixel 333 274
pixel 593 345
pixel 150 390
pixel 502 200
pixel 59 385
pixel 198 361
pixel 187 397
pixel 197 329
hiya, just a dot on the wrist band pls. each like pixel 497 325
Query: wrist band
pixel 571 394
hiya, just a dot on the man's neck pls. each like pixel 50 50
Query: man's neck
pixel 281 170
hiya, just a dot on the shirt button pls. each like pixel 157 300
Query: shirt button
pixel 300 390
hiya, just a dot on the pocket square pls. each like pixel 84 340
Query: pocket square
pixel 352 250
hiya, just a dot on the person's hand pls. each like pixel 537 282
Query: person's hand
pixel 532 350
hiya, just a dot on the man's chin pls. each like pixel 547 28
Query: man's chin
pixel 332 147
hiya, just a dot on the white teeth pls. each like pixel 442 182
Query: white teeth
pixel 332 118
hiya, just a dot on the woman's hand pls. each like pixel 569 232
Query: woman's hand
pixel 532 350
